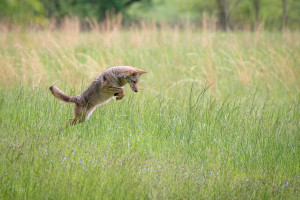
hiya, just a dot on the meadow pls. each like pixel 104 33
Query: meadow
pixel 216 117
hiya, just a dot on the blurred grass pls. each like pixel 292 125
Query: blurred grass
pixel 176 139
pixel 234 63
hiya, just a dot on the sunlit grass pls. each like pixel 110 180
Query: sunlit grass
pixel 232 62
pixel 217 116
pixel 145 146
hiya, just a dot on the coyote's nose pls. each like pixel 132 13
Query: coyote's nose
pixel 136 90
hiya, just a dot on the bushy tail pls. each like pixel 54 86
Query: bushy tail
pixel 62 96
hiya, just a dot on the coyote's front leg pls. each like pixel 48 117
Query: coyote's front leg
pixel 117 91
pixel 120 95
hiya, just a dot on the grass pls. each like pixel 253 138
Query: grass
pixel 178 138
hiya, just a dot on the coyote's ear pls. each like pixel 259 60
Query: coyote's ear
pixel 140 71
pixel 131 72
pixel 134 72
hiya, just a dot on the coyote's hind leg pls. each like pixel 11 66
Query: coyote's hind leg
pixel 80 114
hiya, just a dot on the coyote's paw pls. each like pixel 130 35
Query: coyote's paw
pixel 120 95
pixel 71 122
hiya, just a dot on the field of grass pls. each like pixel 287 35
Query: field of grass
pixel 217 115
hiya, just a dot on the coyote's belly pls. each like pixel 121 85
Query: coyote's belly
pixel 104 98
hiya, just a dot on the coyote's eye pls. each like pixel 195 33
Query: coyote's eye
pixel 134 82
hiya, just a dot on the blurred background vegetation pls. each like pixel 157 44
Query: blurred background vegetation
pixel 227 14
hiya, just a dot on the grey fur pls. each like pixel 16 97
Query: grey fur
pixel 109 84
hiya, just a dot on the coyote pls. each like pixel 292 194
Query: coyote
pixel 109 84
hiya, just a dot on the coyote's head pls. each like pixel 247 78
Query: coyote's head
pixel 132 77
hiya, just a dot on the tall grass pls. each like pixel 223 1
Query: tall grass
pixel 233 62
pixel 217 116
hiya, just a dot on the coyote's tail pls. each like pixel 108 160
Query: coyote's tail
pixel 62 96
